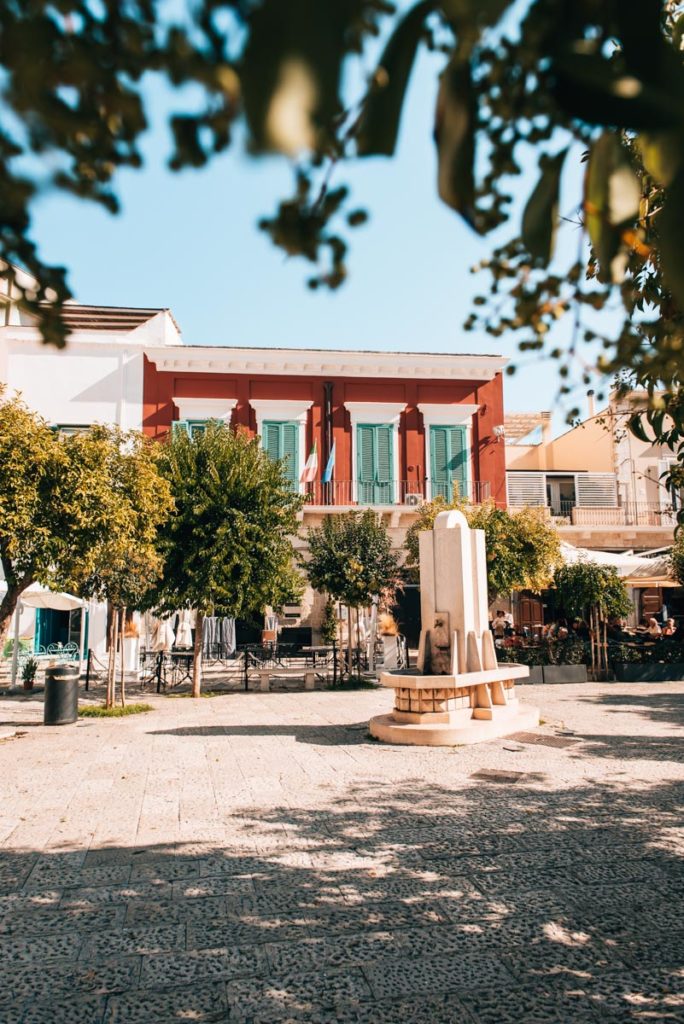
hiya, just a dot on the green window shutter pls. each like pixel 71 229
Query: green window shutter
pixel 365 457
pixel 383 448
pixel 374 464
pixel 196 427
pixel 290 452
pixel 448 461
pixel 180 426
pixel 281 441
pixel 458 459
pixel 271 440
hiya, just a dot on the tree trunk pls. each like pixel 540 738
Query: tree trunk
pixel 8 606
pixel 122 679
pixel 111 665
pixel 197 659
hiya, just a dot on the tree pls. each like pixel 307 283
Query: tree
pixel 227 548
pixel 677 557
pixel 350 557
pixel 594 593
pixel 523 549
pixel 124 563
pixel 57 506
pixel 559 81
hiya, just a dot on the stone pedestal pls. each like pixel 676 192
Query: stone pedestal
pixel 454 710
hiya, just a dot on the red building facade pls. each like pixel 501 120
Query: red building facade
pixel 402 426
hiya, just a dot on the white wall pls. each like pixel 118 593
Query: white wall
pixel 82 384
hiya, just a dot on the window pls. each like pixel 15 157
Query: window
pixel 69 429
pixel 448 461
pixel 191 427
pixel 374 444
pixel 281 441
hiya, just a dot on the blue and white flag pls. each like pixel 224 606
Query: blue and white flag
pixel 330 467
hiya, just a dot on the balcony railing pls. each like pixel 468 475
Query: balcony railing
pixel 633 513
pixel 387 493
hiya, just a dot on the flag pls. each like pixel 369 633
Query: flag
pixel 330 466
pixel 311 467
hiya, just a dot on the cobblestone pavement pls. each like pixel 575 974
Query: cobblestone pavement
pixel 257 858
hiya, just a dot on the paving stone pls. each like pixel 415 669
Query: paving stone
pixel 202 1002
pixel 61 921
pixel 134 940
pixel 165 870
pixel 191 889
pixel 88 1010
pixel 39 948
pixel 338 951
pixel 276 997
pixel 43 876
pixel 65 977
pixel 207 965
pixel 401 976
pixel 94 897
pixel 531 1005
pixel 149 912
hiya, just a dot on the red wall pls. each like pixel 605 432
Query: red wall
pixel 488 462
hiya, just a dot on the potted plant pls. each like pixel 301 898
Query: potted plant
pixel 28 672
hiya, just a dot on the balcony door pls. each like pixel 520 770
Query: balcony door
pixel 448 462
pixel 374 462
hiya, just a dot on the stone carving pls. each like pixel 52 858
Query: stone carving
pixel 439 646
pixel 458 694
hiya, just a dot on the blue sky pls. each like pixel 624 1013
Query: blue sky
pixel 189 241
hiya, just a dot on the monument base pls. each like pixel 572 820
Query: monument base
pixel 444 734
pixel 452 710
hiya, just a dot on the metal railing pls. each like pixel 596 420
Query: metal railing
pixel 389 492
pixel 633 513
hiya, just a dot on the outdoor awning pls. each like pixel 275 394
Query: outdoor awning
pixel 37 596
pixel 635 570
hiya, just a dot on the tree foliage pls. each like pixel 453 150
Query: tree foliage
pixel 66 501
pixel 583 586
pixel 677 558
pixel 523 549
pixel 351 558
pixel 227 548
pixel 558 81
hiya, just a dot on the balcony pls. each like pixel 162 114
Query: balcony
pixel 385 494
pixel 629 514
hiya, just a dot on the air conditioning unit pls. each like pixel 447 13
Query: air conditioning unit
pixel 413 499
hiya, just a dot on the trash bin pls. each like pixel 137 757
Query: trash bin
pixel 61 694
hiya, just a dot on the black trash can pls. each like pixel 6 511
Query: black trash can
pixel 61 694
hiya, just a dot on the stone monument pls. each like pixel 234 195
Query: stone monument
pixel 458 694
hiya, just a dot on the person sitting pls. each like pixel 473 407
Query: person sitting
pixel 654 629
pixel 670 628
pixel 499 625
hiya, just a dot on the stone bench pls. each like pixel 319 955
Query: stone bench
pixel 289 673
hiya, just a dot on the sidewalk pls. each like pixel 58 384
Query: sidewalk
pixel 255 857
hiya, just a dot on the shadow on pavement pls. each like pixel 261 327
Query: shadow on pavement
pixel 419 905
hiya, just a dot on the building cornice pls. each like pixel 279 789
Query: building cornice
pixel 316 363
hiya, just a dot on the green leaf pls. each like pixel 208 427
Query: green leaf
pixel 661 154
pixel 611 200
pixel 290 72
pixel 455 124
pixel 669 224
pixel 635 425
pixel 540 217
pixel 379 123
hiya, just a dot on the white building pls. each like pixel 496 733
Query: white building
pixel 98 379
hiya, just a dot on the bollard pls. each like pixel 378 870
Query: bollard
pixel 61 694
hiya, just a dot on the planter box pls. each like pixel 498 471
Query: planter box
pixel 655 672
pixel 565 673
pixel 536 674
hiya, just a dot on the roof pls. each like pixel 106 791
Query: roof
pixel 348 351
pixel 79 317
